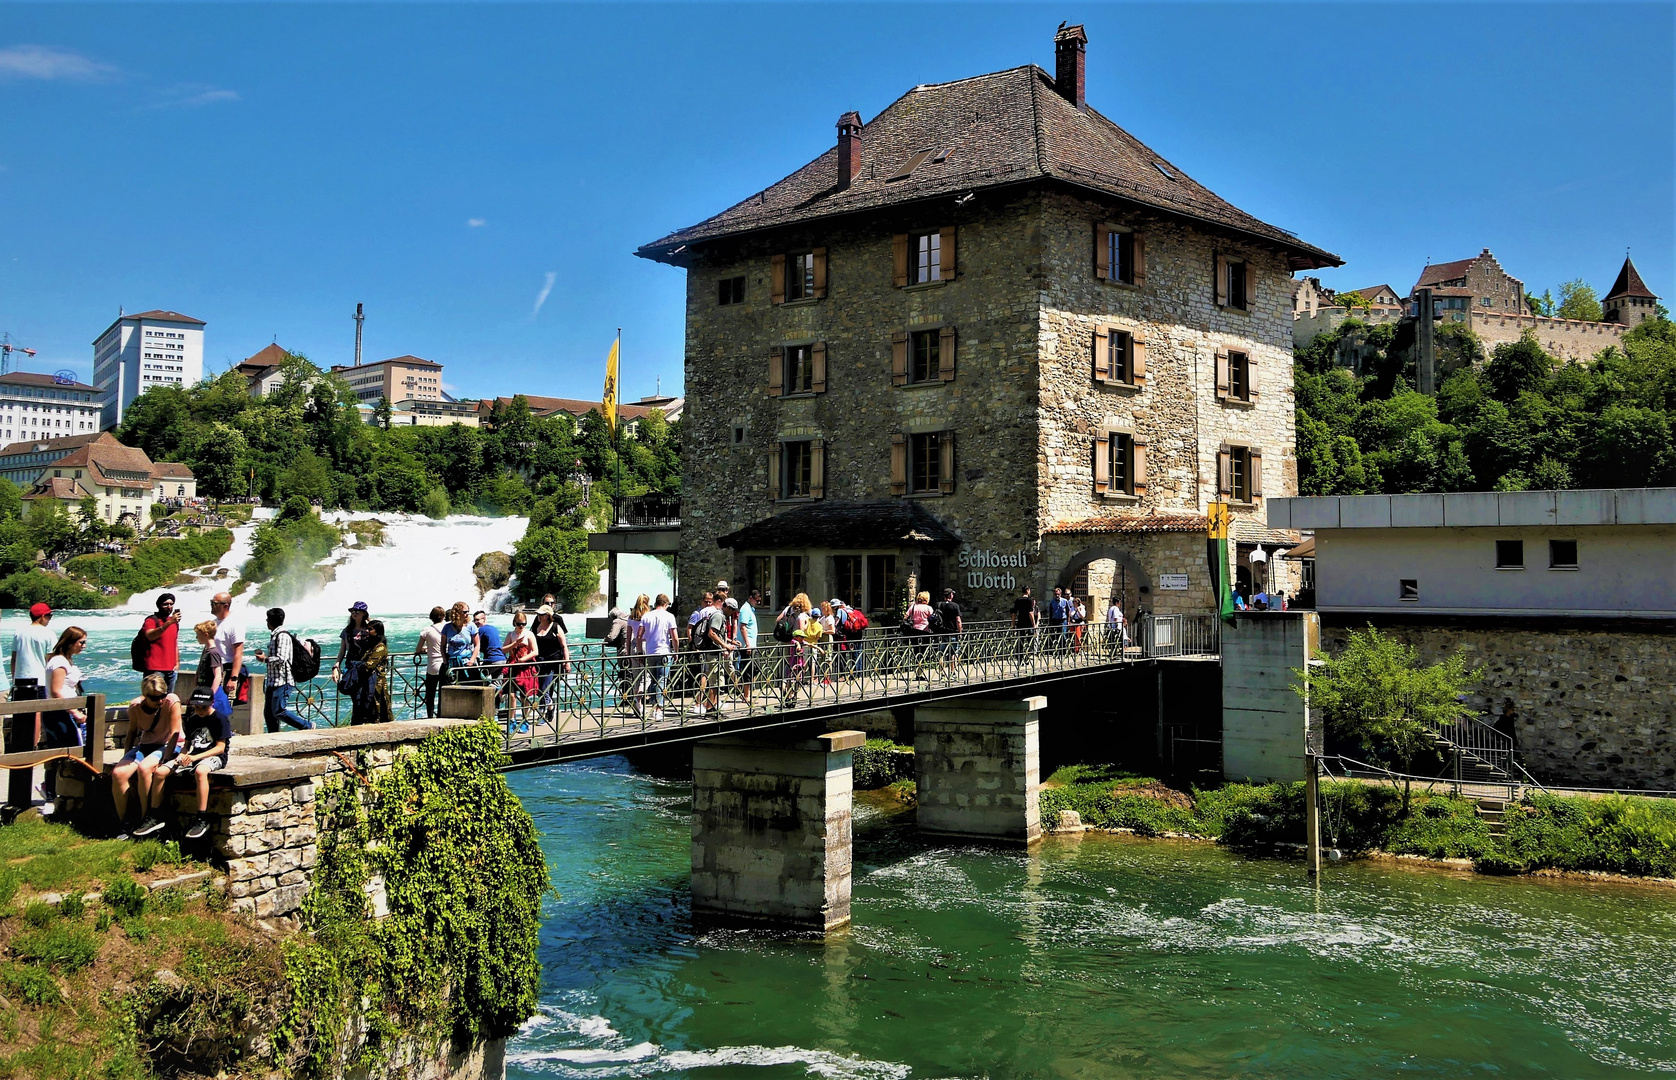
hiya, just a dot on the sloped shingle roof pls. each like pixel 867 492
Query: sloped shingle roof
pixel 1449 271
pixel 1629 283
pixel 1008 127
pixel 845 526
pixel 33 378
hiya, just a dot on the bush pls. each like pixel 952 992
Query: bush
pixel 39 913
pixel 125 896
pixel 62 946
pixel 283 553
pixel 153 563
pixel 1618 835
pixel 32 985
pixel 880 763
pixel 29 587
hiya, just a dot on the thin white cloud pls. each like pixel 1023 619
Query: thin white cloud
pixel 45 62
pixel 541 297
pixel 476 222
pixel 192 95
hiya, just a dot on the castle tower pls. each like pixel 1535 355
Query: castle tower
pixel 1630 302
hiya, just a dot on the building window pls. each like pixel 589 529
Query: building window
pixel 789 577
pixel 1121 253
pixel 738 434
pixel 1239 375
pixel 796 469
pixel 1233 283
pixel 1240 478
pixel 1562 554
pixel 731 290
pixel 759 574
pixel 1510 554
pixel 847 579
pixel 881 582
pixel 1120 462
pixel 927 263
pixel 1408 589
pixel 925 355
pixel 800 276
pixel 800 369
pixel 930 464
pixel 1120 355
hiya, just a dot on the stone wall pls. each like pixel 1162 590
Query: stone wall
pixel 1564 339
pixel 1592 707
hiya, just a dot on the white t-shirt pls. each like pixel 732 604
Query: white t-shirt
pixel 228 636
pixel 72 677
pixel 655 627
pixel 430 643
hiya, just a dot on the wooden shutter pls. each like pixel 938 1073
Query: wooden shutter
pixel 1102 356
pixel 1102 253
pixel 899 258
pixel 947 268
pixel 1222 374
pixel 777 280
pixel 774 470
pixel 899 358
pixel 1139 242
pixel 776 371
pixel 817 469
pixel 1256 459
pixel 1250 286
pixel 945 355
pixel 1221 281
pixel 820 273
pixel 1137 468
pixel 899 464
pixel 817 365
pixel 1102 462
pixel 1137 356
pixel 1224 473
pixel 1250 376
pixel 945 463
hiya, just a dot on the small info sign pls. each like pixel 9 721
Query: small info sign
pixel 1172 582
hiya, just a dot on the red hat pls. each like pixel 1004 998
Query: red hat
pixel 38 610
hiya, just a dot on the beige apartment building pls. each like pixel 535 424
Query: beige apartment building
pixel 401 378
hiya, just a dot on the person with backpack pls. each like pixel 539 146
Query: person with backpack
pixel 156 648
pixel 948 619
pixel 852 631
pixel 280 655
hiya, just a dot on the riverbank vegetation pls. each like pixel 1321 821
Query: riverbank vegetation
pixel 1513 420
pixel 284 553
pixel 81 583
pixel 1622 835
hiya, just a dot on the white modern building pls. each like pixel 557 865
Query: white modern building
pixel 34 406
pixel 137 352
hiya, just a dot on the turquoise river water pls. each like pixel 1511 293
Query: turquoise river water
pixel 1093 957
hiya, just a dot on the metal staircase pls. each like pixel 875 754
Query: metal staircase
pixel 1481 753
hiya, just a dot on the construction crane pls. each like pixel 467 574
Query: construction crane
pixel 7 348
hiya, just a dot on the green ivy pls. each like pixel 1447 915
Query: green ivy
pixel 463 876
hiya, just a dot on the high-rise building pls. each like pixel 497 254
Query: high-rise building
pixel 401 378
pixel 34 406
pixel 137 352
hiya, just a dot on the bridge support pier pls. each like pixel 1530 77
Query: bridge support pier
pixel 772 829
pixel 978 768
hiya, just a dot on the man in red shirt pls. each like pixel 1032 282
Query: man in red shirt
pixel 162 632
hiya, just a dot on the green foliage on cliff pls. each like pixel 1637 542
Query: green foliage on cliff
pixel 152 563
pixel 880 763
pixel 456 857
pixel 1517 420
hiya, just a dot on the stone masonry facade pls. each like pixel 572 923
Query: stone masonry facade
pixel 1024 404
pixel 1594 708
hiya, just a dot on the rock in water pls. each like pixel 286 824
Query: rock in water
pixel 493 569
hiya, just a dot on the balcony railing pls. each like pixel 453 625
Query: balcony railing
pixel 647 512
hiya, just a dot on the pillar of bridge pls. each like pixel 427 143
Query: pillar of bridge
pixel 772 829
pixel 977 763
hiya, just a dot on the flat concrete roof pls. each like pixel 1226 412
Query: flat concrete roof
pixel 1477 509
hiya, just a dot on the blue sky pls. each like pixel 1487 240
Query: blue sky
pixel 265 167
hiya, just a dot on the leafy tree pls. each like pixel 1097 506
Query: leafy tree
pixel 1457 346
pixel 89 529
pixel 217 454
pixel 1376 694
pixel 11 501
pixel 1578 301
pixel 1518 366
pixel 308 477
pixel 159 422
pixel 1351 301
pixel 556 560
pixel 1540 305
pixel 381 414
pixel 51 529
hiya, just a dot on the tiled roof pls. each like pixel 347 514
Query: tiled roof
pixel 1629 283
pixel 171 470
pixel 266 357
pixel 31 378
pixel 110 462
pixel 408 361
pixel 1449 271
pixel 1009 127
pixel 61 445
pixel 58 487
pixel 1136 523
pixel 547 406
pixel 165 316
pixel 846 526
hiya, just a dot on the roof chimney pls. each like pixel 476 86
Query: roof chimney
pixel 849 148
pixel 1070 49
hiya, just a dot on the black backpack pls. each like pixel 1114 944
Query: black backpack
pixel 785 627
pixel 305 658
pixel 138 650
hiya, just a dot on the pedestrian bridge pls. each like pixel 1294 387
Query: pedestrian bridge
pixel 604 704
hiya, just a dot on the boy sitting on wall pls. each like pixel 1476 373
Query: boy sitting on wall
pixel 209 737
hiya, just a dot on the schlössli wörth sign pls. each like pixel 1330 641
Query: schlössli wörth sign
pixel 980 565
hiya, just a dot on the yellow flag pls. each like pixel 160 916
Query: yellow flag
pixel 1219 517
pixel 610 401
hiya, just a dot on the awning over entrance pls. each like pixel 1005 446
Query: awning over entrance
pixel 845 526
pixel 1131 523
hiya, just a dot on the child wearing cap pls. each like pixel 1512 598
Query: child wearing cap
pixel 209 736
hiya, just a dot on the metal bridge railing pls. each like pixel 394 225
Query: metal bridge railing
pixel 598 694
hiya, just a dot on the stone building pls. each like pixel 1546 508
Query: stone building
pixel 1474 284
pixel 988 339
pixel 1629 302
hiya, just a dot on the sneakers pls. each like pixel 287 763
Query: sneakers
pixel 48 808
pixel 657 715
pixel 148 826
pixel 696 710
pixel 199 827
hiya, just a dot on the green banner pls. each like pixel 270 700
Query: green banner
pixel 1216 553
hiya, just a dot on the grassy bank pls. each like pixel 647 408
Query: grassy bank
pixel 1616 835
pixel 152 565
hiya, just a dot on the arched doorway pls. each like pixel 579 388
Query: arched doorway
pixel 1099 573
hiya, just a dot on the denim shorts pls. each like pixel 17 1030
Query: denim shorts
pixel 156 754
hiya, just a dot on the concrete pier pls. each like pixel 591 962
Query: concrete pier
pixel 978 766
pixel 772 829
pixel 1264 722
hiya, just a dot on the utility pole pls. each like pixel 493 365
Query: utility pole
pixel 360 317
pixel 1312 814
pixel 1425 334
